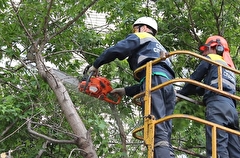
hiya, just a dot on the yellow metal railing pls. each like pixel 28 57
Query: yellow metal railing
pixel 149 120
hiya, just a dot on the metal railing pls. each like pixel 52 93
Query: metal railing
pixel 148 127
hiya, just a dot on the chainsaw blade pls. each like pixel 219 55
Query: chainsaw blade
pixel 67 79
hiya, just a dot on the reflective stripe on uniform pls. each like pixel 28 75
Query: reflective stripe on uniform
pixel 161 143
pixel 224 81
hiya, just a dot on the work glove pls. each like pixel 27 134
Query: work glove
pixel 94 70
pixel 119 91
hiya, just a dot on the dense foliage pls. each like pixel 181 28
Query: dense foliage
pixel 38 35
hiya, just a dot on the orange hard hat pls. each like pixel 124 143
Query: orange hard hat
pixel 214 41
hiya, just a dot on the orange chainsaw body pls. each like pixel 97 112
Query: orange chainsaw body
pixel 99 87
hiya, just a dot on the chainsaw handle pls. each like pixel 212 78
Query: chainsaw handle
pixel 118 97
pixel 88 79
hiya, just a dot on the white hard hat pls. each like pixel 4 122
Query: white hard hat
pixel 147 21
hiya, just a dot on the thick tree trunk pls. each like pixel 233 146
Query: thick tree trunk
pixel 84 141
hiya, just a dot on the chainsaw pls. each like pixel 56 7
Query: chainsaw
pixel 98 87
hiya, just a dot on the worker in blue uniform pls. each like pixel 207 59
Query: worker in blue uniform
pixel 219 109
pixel 140 47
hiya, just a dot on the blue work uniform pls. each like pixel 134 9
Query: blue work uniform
pixel 139 48
pixel 219 109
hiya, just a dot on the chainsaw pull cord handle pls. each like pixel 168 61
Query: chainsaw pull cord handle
pixel 88 79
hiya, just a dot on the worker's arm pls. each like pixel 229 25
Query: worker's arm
pixel 120 50
pixel 132 90
pixel 128 91
pixel 197 75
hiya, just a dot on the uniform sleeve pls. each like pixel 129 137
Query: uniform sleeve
pixel 197 75
pixel 120 50
pixel 132 90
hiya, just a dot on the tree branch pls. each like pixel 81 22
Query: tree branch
pixel 41 151
pixel 8 128
pixel 46 19
pixel 23 63
pixel 11 85
pixel 120 127
pixel 74 19
pixel 192 24
pixel 21 22
pixel 46 137
pixel 13 132
pixel 77 149
pixel 217 16
pixel 54 128
pixel 189 152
